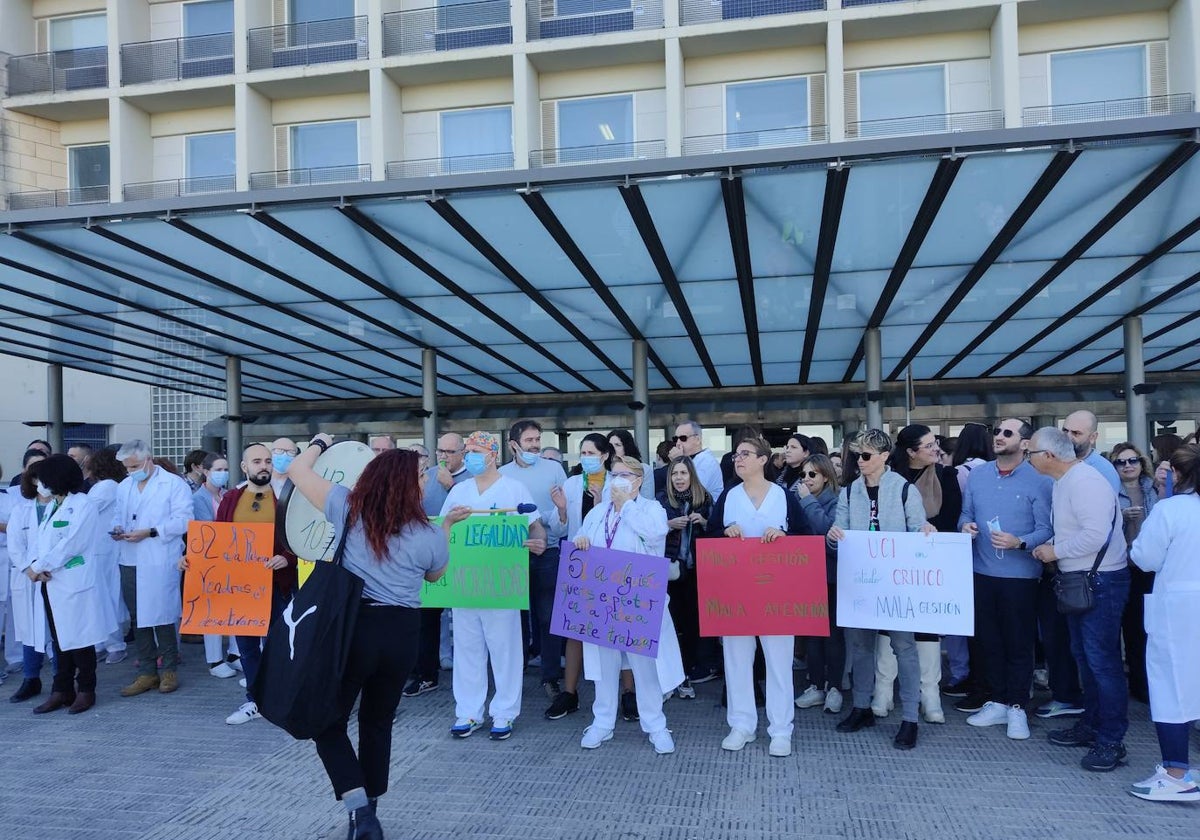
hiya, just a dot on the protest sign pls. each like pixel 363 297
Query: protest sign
pixel 610 598
pixel 904 581
pixel 751 588
pixel 489 565
pixel 227 589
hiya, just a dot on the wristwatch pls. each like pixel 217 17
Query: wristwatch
pixel 153 532
pixel 1021 546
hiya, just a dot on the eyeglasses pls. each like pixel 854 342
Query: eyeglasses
pixel 866 455
pixel 683 438
pixel 932 446
pixel 745 453
pixel 628 475
pixel 1033 452
pixel 285 451
pixel 1126 462
pixel 811 474
pixel 256 505
pixel 1005 433
pixel 448 451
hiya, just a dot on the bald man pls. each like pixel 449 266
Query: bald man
pixel 380 443
pixel 1083 429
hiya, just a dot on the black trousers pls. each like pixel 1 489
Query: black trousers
pixel 1056 641
pixel 81 661
pixel 695 650
pixel 382 653
pixel 1133 630
pixel 826 655
pixel 429 639
pixel 1005 632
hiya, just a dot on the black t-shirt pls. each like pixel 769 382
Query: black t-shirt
pixel 873 498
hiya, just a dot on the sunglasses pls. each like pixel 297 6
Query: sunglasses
pixel 256 505
pixel 1005 433
pixel 811 474
pixel 683 438
pixel 1126 462
pixel 866 456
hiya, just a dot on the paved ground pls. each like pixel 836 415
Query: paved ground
pixel 157 767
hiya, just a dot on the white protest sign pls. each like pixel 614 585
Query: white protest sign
pixel 902 581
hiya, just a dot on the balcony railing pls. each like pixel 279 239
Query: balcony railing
pixel 850 4
pixel 1112 109
pixel 774 137
pixel 177 58
pixel 451 27
pixel 928 124
pixel 566 156
pixel 564 18
pixel 703 11
pixel 307 177
pixel 315 42
pixel 448 165
pixel 53 72
pixel 41 199
pixel 178 187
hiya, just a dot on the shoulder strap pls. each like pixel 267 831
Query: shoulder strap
pixel 847 494
pixel 904 493
pixel 1104 548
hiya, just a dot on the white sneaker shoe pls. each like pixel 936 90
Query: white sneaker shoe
pixel 781 746
pixel 833 701
pixel 222 671
pixel 736 739
pixel 663 743
pixel 1018 723
pixel 594 736
pixel 245 713
pixel 242 682
pixel 991 714
pixel 1163 787
pixel 812 696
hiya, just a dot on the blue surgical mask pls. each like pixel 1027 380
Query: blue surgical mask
pixel 280 461
pixel 139 475
pixel 591 464
pixel 476 463
pixel 219 478
pixel 530 458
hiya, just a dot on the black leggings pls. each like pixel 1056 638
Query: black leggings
pixel 382 654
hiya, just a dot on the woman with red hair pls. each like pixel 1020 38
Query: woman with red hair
pixel 391 545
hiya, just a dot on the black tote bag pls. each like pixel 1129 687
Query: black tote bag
pixel 299 681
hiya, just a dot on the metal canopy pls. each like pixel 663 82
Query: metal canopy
pixel 988 254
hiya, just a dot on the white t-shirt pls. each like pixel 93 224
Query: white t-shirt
pixel 503 493
pixel 754 522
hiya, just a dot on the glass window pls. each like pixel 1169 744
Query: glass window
pixel 317 145
pixel 87 172
pixel 78 32
pixel 210 161
pixel 212 17
pixel 755 112
pixel 305 11
pixel 480 138
pixel 911 99
pixel 603 126
pixel 1095 75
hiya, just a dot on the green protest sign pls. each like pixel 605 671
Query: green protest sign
pixel 489 565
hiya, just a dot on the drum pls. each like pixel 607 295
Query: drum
pixel 306 530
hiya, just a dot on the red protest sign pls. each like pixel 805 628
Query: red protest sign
pixel 751 588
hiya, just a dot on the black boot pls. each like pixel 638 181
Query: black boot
pixel 856 720
pixel 906 738
pixel 364 825
pixel 373 804
pixel 29 688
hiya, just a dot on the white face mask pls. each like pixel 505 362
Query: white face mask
pixel 43 490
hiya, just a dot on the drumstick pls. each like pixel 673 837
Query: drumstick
pixel 525 507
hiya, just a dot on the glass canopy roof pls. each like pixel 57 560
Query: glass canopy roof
pixel 1001 258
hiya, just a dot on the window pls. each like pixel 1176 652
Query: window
pixel 477 139
pixel 87 173
pixel 756 113
pixel 209 160
pixel 1095 75
pixel 94 435
pixel 80 32
pixel 307 11
pixel 595 129
pixel 211 17
pixel 324 145
pixel 910 99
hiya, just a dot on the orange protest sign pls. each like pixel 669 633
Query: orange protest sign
pixel 227 589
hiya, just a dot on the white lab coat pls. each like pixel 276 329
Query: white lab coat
pixel 103 497
pixel 22 529
pixel 8 501
pixel 63 547
pixel 1166 545
pixel 165 503
pixel 573 490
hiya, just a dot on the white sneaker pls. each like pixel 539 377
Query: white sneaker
pixel 882 711
pixel 242 682
pixel 686 691
pixel 245 713
pixel 1018 723
pixel 833 701
pixel 1163 787
pixel 991 714
pixel 663 743
pixel 115 657
pixel 781 746
pixel 222 671
pixel 594 736
pixel 736 739
pixel 932 713
pixel 812 696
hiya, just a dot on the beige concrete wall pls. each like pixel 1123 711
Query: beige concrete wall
pixel 896 52
pixel 166 20
pixel 32 156
pixel 1093 32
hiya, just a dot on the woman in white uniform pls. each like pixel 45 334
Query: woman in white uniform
pixel 107 473
pixel 630 522
pixel 22 524
pixel 757 509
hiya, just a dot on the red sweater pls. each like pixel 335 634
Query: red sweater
pixel 285 578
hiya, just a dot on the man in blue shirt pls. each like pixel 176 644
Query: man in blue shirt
pixel 1083 430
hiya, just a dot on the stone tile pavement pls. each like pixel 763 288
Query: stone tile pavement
pixel 166 767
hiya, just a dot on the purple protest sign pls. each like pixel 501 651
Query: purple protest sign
pixel 610 598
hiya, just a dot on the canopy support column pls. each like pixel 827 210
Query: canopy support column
pixel 1135 383
pixel 641 400
pixel 873 350
pixel 233 418
pixel 429 428
pixel 54 407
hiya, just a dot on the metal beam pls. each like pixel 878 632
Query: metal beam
pixel 635 202
pixel 836 180
pixel 91 366
pixel 54 406
pixel 550 221
pixel 641 401
pixel 1136 426
pixel 873 350
pixel 739 239
pixel 429 402
pixel 935 196
pixel 233 418
pixel 1177 158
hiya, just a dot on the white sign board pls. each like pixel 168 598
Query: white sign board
pixel 904 581
pixel 307 532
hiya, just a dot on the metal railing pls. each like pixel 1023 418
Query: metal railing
pixel 307 177
pixel 704 144
pixel 928 124
pixel 53 72
pixel 1112 109
pixel 850 4
pixel 704 11
pixel 315 42
pixel 448 165
pixel 177 58
pixel 452 27
pixel 202 185
pixel 566 156
pixel 565 18
pixel 41 199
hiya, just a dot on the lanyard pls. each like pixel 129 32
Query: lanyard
pixel 610 532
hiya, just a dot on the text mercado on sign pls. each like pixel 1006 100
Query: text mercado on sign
pixel 489 565
pixel 227 588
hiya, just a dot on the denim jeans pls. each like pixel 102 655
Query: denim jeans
pixel 543 579
pixel 1096 645
pixel 31 663
pixel 250 647
pixel 860 646
pixel 1056 642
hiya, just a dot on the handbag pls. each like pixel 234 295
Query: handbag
pixel 299 682
pixel 1074 591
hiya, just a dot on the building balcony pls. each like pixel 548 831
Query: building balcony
pixel 1112 109
pixel 706 11
pixel 439 28
pixel 55 72
pixel 566 18
pixel 429 167
pixel 708 144
pixel 42 199
pixel 177 58
pixel 349 173
pixel 179 187
pixel 928 124
pixel 571 155
pixel 316 42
